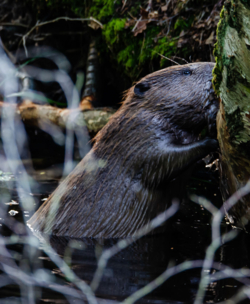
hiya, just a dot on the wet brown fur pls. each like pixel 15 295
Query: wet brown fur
pixel 140 160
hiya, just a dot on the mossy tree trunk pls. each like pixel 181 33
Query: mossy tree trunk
pixel 232 84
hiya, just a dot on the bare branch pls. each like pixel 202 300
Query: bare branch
pixel 55 20
pixel 107 254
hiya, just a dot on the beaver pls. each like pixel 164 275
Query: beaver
pixel 140 160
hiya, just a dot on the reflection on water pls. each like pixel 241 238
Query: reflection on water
pixel 187 237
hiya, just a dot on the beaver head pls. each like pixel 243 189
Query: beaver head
pixel 182 95
pixel 178 102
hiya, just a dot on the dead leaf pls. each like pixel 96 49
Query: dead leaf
pixel 94 25
pixel 129 23
pixel 140 27
pixel 181 42
pixel 176 10
pixel 182 33
pixel 210 39
pixel 153 15
pixel 86 104
pixel 144 13
pixel 164 8
pixel 200 25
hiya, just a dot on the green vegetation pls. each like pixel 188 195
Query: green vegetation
pixel 134 47
pixel 133 51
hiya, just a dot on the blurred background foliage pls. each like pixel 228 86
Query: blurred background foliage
pixel 132 42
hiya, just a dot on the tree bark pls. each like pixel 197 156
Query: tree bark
pixel 231 81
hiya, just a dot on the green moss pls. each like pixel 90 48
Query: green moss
pixel 165 47
pixel 228 17
pixel 218 51
pixel 233 18
pixel 232 75
pixel 183 24
pixel 111 30
pixel 235 86
pixel 101 9
pixel 235 128
pixel 126 57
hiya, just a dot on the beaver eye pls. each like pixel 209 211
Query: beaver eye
pixel 140 88
pixel 187 72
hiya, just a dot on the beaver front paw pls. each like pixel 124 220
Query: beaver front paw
pixel 212 145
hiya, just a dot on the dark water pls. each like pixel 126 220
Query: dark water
pixel 187 237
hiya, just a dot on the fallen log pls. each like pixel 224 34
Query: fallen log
pixel 38 115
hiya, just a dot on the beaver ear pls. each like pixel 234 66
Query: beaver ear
pixel 140 88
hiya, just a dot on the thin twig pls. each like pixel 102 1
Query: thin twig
pixel 167 58
pixel 216 237
pixel 13 24
pixel 124 4
pixel 140 19
pixel 107 254
pixel 52 21
pixel 226 272
pixel 11 57
pixel 181 59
